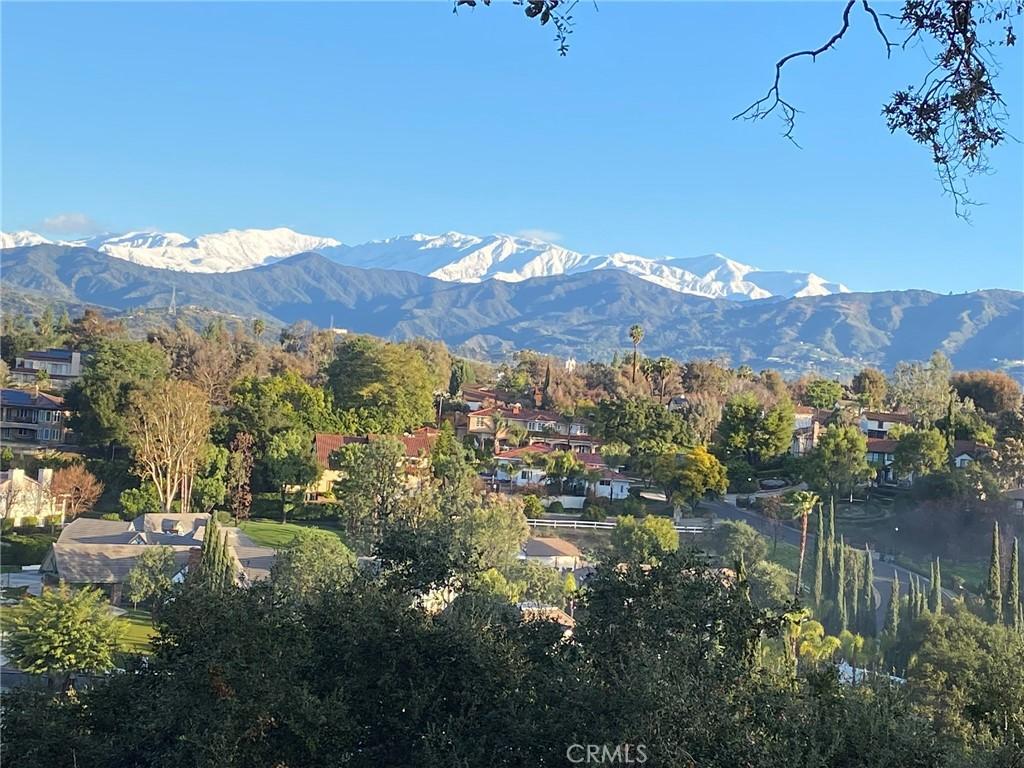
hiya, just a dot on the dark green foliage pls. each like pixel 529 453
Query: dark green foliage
pixel 639 420
pixel 1014 609
pixel 935 593
pixel 892 611
pixel 840 619
pixel 26 548
pixel 817 582
pixel 869 620
pixel 994 587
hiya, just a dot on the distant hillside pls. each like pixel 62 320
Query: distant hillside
pixel 584 315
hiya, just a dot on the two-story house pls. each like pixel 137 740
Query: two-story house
pixel 62 367
pixel 32 417
pixel 23 498
pixel 495 426
pixel 418 445
pixel 877 424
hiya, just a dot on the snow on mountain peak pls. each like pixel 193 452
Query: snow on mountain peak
pixel 451 256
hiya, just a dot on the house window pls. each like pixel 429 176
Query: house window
pixel 524 475
pixel 605 483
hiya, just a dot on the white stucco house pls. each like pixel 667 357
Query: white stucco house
pixel 22 497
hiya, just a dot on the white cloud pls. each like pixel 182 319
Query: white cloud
pixel 70 224
pixel 540 234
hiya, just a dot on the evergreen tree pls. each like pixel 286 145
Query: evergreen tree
pixel 935 596
pixel 819 559
pixel 840 589
pixel 892 612
pixel 912 602
pixel 994 592
pixel 1014 618
pixel 922 598
pixel 853 577
pixel 869 621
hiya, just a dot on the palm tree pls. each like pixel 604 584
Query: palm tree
pixel 636 335
pixel 803 503
pixel 258 327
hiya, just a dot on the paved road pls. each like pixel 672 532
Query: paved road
pixel 884 571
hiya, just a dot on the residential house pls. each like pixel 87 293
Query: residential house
pixel 495 425
pixel 808 424
pixel 62 367
pixel 881 454
pixel 534 611
pixel 877 424
pixel 33 418
pixel 21 498
pixel 551 553
pixel 103 552
pixel 611 485
pixel 1016 499
pixel 418 445
pixel 966 451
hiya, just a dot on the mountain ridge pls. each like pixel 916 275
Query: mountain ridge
pixel 583 315
pixel 451 256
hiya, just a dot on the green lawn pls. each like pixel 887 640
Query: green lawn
pixel 787 555
pixel 138 630
pixel 268 533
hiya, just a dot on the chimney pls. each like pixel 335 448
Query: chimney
pixel 538 397
pixel 17 476
pixel 45 477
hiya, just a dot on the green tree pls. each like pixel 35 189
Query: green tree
pixel 753 431
pixel 839 461
pixel 892 611
pixel 381 388
pixel 818 583
pixel 922 388
pixel 734 540
pixel 1014 617
pixel 637 420
pixel 994 589
pixel 823 393
pixel 371 483
pixel 561 466
pixel 259 326
pixel 636 335
pixel 62 632
pixel 869 621
pixel 291 466
pixel 935 593
pixel 314 563
pixel 771 585
pixel 209 489
pixel 840 618
pixel 100 400
pixel 870 387
pixel 150 577
pixel 691 475
pixel 645 541
pixel 920 452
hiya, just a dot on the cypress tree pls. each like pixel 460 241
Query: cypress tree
pixel 869 623
pixel 1014 618
pixel 912 602
pixel 840 591
pixel 935 597
pixel 853 576
pixel 830 550
pixel 922 598
pixel 892 611
pixel 819 560
pixel 994 593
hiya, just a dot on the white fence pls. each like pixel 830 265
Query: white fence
pixel 605 525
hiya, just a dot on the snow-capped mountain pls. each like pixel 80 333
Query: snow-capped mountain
pixel 453 257
pixel 456 257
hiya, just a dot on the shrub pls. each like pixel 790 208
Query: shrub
pixel 30 521
pixel 222 517
pixel 26 549
pixel 634 506
pixel 532 507
pixel 52 521
pixel 110 516
pixel 742 478
pixel 7 525
pixel 593 512
pixel 556 508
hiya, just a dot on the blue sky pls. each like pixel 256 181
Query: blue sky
pixel 366 120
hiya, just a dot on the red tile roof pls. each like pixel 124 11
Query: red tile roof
pixel 881 445
pixel 417 444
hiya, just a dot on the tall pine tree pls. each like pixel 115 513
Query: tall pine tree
pixel 869 620
pixel 892 611
pixel 994 591
pixel 840 615
pixel 1013 607
pixel 817 585
pixel 935 595
pixel 853 576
